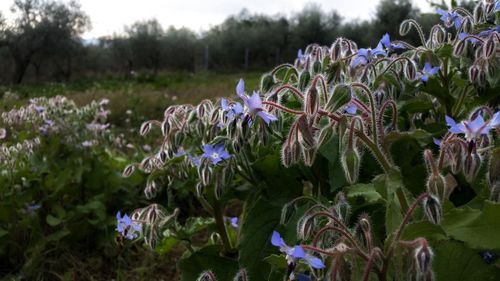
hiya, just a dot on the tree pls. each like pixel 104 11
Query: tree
pixel 38 26
pixel 146 44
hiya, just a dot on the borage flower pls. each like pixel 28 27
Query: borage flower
pixel 300 56
pixel 233 111
pixel 215 153
pixel 127 227
pixel 386 42
pixel 295 253
pixel 234 222
pixel 428 71
pixel 473 129
pixel 254 103
pixel 450 18
pixel 366 56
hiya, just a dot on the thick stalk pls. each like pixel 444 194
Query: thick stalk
pixel 221 227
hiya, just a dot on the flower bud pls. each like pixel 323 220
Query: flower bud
pixel 339 97
pixel 404 28
pixel 494 167
pixel 350 161
pixel 342 206
pixel 410 70
pixel 324 136
pixel 311 102
pixel 459 48
pixel 495 192
pixel 482 77
pixel 199 189
pixel 479 12
pixel 436 185
pixel 474 74
pixel 207 276
pixel 423 258
pixel 286 155
pixel 304 79
pixel 309 156
pixel 440 35
pixel 432 209
pixel 266 82
pixel 306 134
pixel 471 166
pixel 316 67
pixel 336 50
pixel 489 8
pixel 145 128
pixel 467 24
pixel 489 47
pixel 241 275
pixel 128 171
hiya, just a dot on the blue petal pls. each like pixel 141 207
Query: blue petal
pixel 315 262
pixel 437 142
pixel 276 240
pixel 495 120
pixel 267 117
pixel 224 103
pixel 425 78
pixel 449 121
pixel 476 124
pixel 386 41
pixel 240 88
pixel 298 252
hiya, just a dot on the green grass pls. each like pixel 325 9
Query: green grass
pixel 147 97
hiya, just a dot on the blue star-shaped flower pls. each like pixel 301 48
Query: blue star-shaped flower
pixel 254 103
pixel 366 56
pixel 215 153
pixel 473 128
pixel 450 18
pixel 386 42
pixel 127 227
pixel 428 71
pixel 296 252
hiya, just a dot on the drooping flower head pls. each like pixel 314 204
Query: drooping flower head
pixel 215 153
pixel 473 129
pixel 127 227
pixel 254 103
pixel 234 222
pixel 429 71
pixel 366 56
pixel 462 36
pixel 295 253
pixel 450 18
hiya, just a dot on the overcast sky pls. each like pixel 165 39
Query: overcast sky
pixel 109 16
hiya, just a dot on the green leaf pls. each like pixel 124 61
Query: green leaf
pixel 366 191
pixel 166 245
pixel 453 261
pixel 424 229
pixel 52 221
pixel 479 230
pixel 277 261
pixel 341 95
pixel 208 258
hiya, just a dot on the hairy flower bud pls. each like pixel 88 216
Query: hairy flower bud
pixel 410 70
pixel 436 185
pixel 423 258
pixel 316 67
pixel 241 275
pixel 306 134
pixel 342 206
pixel 471 166
pixel 350 160
pixel 266 82
pixel 304 79
pixel 336 50
pixel 494 168
pixel 459 48
pixel 432 209
pixel 207 276
pixel 479 12
pixel 474 74
pixel 489 7
pixel 311 102
pixel 340 96
pixel 286 155
pixel 467 24
pixel 309 156
pixel 145 128
pixel 489 47
pixel 128 171
pixel 404 28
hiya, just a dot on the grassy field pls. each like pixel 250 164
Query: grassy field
pixel 146 97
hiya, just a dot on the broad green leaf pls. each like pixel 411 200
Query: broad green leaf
pixel 478 229
pixel 366 191
pixel 453 261
pixel 424 229
pixel 52 221
pixel 208 258
pixel 277 261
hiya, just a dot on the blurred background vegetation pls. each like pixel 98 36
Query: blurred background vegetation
pixel 45 44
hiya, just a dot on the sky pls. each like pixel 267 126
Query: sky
pixel 110 16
